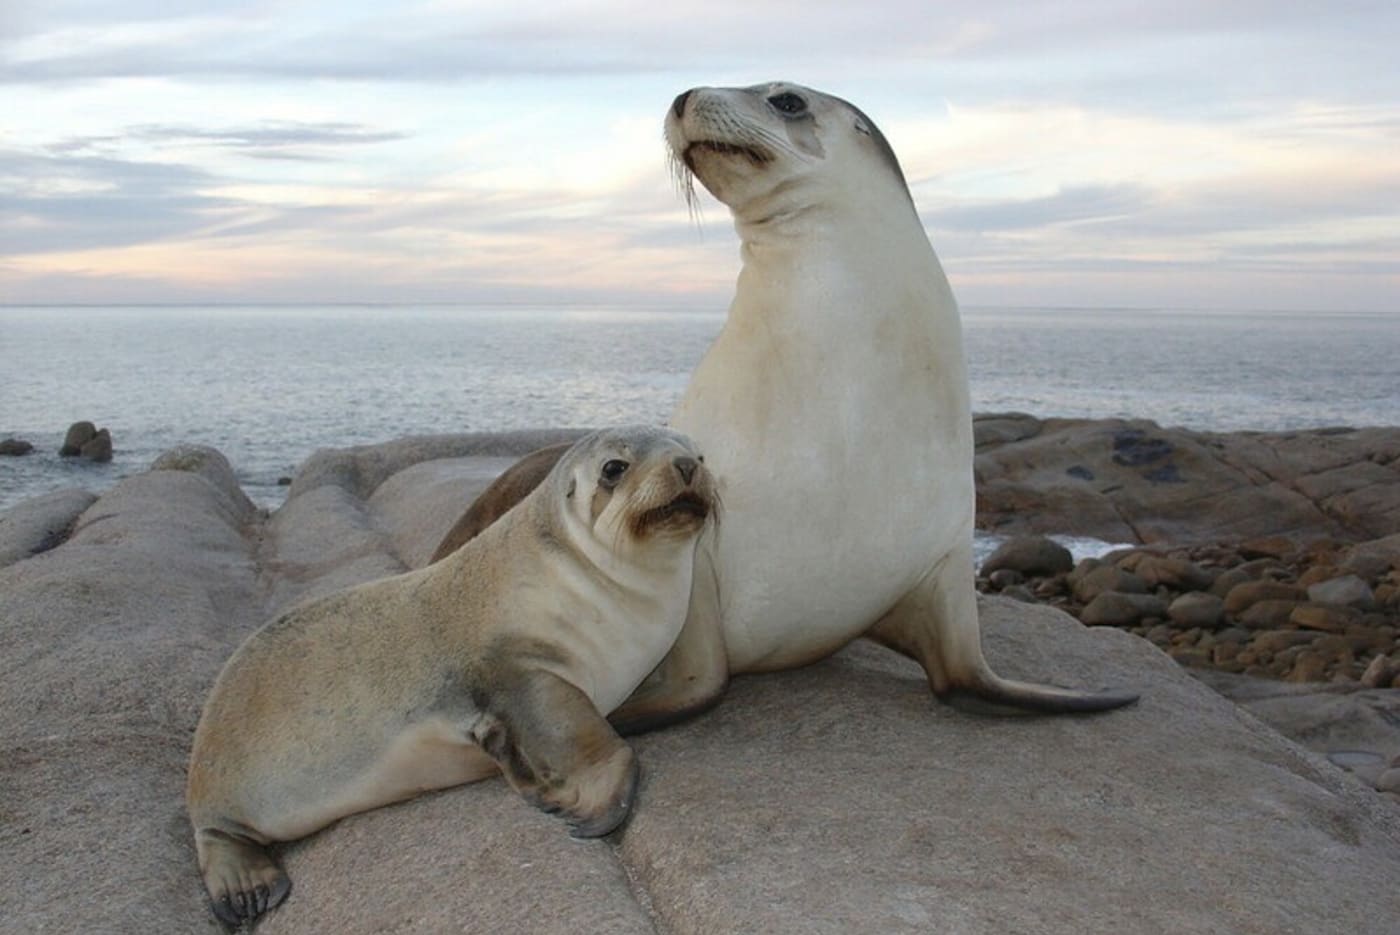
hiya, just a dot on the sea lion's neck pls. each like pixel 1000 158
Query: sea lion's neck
pixel 829 264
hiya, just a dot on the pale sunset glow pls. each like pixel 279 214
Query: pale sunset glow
pixel 1205 155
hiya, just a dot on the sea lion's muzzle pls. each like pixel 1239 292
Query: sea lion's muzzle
pixel 686 466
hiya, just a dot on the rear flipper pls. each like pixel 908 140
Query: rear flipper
pixel 558 752
pixel 936 624
pixel 242 879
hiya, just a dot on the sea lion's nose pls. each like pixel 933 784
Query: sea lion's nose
pixel 686 466
pixel 678 106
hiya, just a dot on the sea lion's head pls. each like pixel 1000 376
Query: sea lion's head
pixel 773 149
pixel 637 487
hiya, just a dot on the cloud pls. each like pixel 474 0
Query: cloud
pixel 270 140
pixel 1070 204
pixel 75 202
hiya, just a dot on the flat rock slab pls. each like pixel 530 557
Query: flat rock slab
pixel 1135 481
pixel 836 798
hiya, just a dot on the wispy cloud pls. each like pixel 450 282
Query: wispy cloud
pixel 1078 150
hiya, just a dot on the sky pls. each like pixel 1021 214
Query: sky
pixel 1232 154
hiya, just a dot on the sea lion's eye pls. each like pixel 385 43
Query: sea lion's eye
pixel 612 472
pixel 788 103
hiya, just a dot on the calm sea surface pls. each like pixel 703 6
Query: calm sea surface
pixel 267 386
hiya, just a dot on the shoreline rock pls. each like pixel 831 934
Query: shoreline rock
pixel 1126 480
pixel 750 817
pixel 85 440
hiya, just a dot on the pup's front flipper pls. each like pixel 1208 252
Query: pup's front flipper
pixel 242 878
pixel 557 751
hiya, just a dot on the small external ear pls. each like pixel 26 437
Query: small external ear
pixel 570 492
pixel 862 126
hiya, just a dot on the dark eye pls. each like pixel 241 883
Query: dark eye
pixel 788 103
pixel 612 472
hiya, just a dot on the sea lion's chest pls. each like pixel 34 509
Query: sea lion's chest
pixel 839 428
pixel 611 628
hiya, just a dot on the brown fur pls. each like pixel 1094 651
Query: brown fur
pixel 444 675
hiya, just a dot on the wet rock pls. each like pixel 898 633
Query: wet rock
pixel 1227 580
pixel 1107 578
pixel 1197 609
pixel 1192 656
pixel 1276 641
pixel 1243 596
pixel 1019 592
pixel 1267 547
pixel 1379 673
pixel 1268 614
pixel 1317 574
pixel 1264 569
pixel 1116 609
pixel 1082 568
pixel 1175 573
pixel 1323 617
pixel 15 447
pixel 1348 591
pixel 1003 578
pixel 98 448
pixel 1030 555
pixel 1309 667
pixel 78 435
pixel 1226 656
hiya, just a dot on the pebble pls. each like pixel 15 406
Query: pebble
pixel 1116 609
pixel 1323 617
pixel 1030 555
pixel 1326 612
pixel 1107 578
pixel 1003 578
pixel 1244 596
pixel 1268 614
pixel 1197 609
pixel 1347 591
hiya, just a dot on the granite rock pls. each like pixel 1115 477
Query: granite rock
pixel 834 798
pixel 1135 481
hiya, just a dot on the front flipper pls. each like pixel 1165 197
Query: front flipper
pixel 242 879
pixel 691 678
pixel 557 751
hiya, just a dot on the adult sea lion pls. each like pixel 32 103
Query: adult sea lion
pixel 838 383
pixel 505 656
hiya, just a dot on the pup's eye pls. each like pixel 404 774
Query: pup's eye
pixel 612 472
pixel 788 103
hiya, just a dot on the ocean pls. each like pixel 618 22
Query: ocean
pixel 267 386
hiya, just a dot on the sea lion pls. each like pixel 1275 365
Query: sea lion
pixel 505 656
pixel 838 382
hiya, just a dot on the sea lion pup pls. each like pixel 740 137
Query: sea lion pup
pixel 506 656
pixel 838 383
